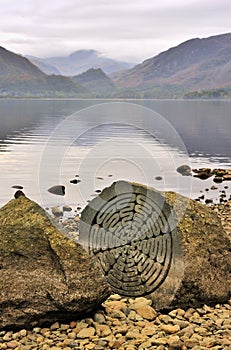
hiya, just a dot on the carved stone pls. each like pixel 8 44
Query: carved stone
pixel 156 245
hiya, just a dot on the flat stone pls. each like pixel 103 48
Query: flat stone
pixel 168 328
pixel 218 179
pixel 12 344
pixel 147 312
pixel 86 332
pixel 59 190
pixel 18 187
pixel 67 208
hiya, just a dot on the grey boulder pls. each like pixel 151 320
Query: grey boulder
pixel 44 276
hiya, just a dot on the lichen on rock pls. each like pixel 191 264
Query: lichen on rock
pixel 44 275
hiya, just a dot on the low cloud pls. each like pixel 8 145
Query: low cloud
pixel 132 30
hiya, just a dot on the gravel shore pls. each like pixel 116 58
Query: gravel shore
pixel 132 324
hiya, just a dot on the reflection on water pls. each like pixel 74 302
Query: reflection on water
pixel 102 148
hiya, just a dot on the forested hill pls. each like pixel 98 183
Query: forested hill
pixel 20 78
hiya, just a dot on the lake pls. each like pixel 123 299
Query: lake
pixel 49 142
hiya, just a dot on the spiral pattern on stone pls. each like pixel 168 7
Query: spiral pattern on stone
pixel 132 239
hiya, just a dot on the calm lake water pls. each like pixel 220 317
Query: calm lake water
pixel 49 142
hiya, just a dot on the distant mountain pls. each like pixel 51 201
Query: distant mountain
pixel 20 78
pixel 96 81
pixel 44 67
pixel 196 64
pixel 82 60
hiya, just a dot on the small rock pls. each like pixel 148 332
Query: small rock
pixel 149 330
pixel 117 314
pixel 168 328
pixel 147 312
pixel 86 333
pixel 132 335
pixel 218 179
pixel 19 194
pixel 67 208
pixel 158 178
pixel 59 190
pixel 203 175
pixel 99 318
pixel 57 212
pixel 145 345
pixel 208 201
pixel 174 342
pixel 12 344
pixel 158 341
pixel 23 332
pixel 184 170
pixel 75 181
pixel 17 187
pixel 54 326
pixel 191 343
pixel 227 177
pixel 7 336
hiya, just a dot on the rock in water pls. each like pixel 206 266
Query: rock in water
pixel 18 194
pixel 44 276
pixel 59 190
pixel 159 245
pixel 184 170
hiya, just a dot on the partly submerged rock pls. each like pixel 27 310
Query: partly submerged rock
pixel 18 194
pixel 56 211
pixel 18 187
pixel 44 276
pixel 184 170
pixel 59 190
pixel 160 245
pixel 220 175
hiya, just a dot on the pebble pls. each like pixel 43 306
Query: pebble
pixel 57 212
pixel 110 328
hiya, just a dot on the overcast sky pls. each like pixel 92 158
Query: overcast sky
pixel 123 29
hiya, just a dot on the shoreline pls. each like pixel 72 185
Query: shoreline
pixel 132 323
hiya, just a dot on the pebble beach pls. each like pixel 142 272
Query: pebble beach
pixel 130 324
pixel 133 324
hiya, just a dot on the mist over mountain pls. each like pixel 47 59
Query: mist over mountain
pixel 80 61
pixel 44 67
pixel 195 68
pixel 20 78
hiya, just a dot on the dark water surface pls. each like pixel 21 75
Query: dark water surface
pixel 49 142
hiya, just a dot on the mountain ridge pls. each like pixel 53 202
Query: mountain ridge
pixel 192 68
pixel 96 81
pixel 21 78
pixel 195 63
pixel 81 60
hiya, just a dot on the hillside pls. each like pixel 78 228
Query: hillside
pixel 193 65
pixel 20 78
pixel 96 81
pixel 44 67
pixel 82 60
